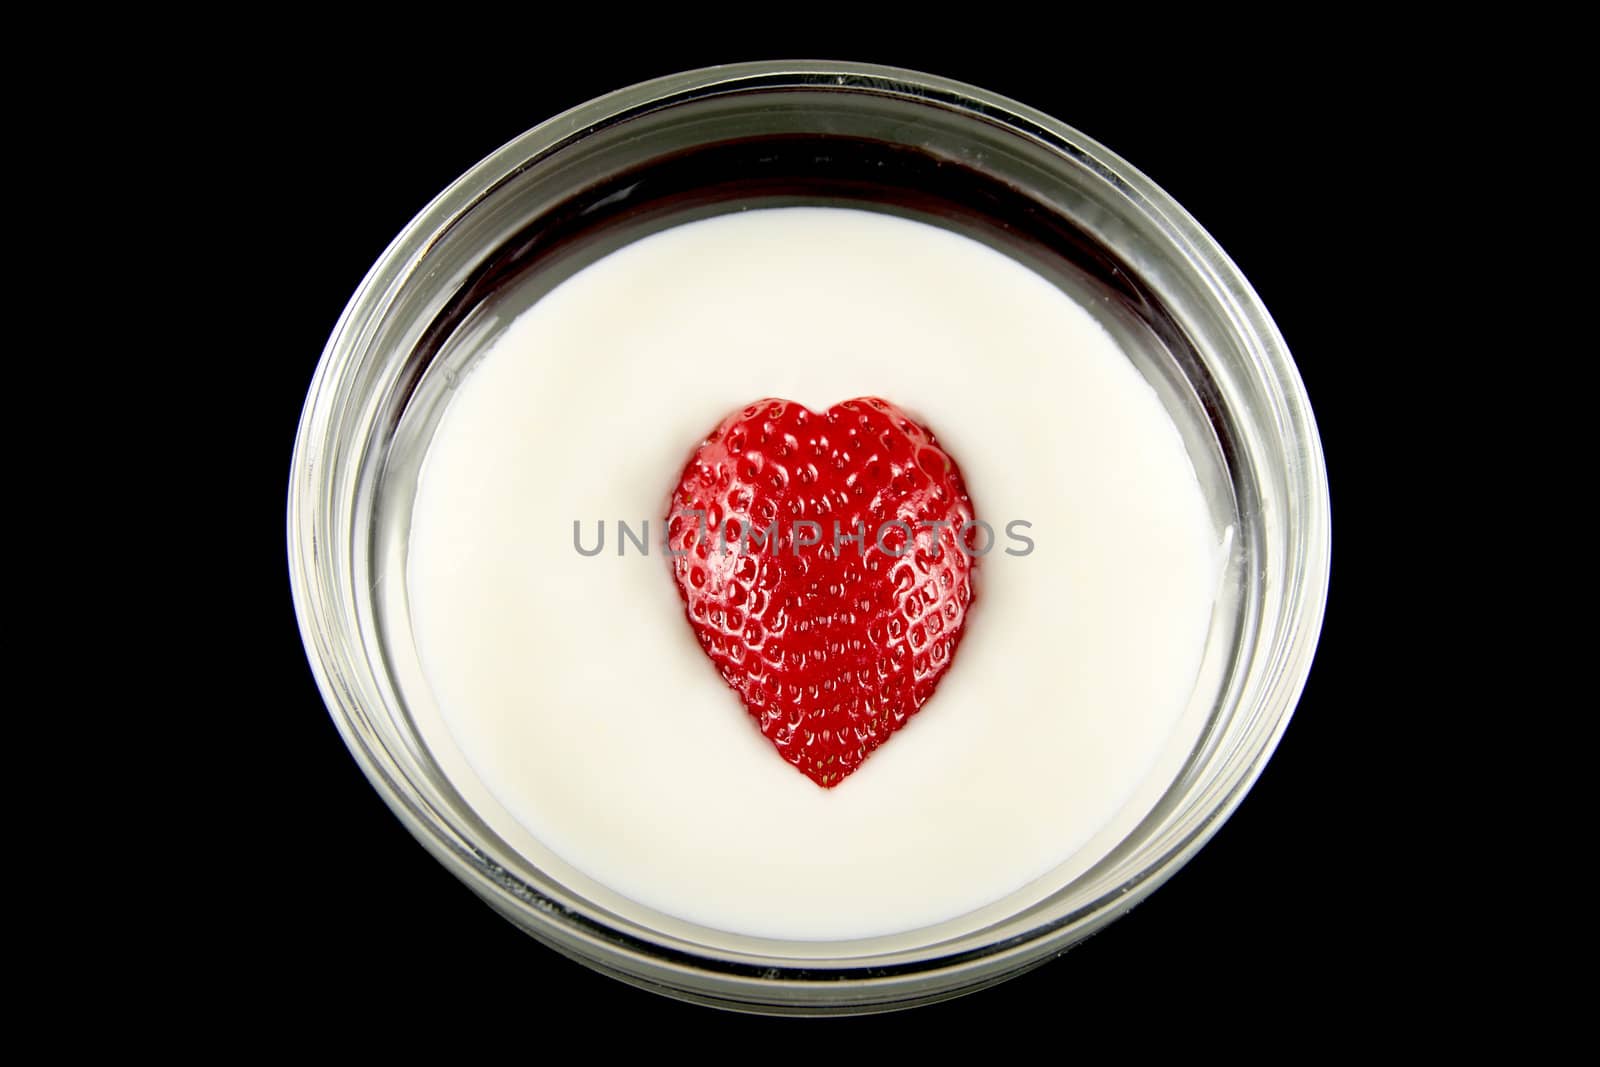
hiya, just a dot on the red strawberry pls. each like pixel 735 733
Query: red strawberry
pixel 832 643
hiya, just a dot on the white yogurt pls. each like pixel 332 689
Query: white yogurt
pixel 577 694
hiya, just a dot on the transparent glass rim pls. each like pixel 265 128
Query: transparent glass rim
pixel 328 608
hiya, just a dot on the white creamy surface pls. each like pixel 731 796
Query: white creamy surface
pixel 576 691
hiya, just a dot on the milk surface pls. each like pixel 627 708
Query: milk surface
pixel 575 689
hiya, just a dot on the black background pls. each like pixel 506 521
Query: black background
pixel 335 907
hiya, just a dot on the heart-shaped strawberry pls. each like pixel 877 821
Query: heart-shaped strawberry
pixel 826 563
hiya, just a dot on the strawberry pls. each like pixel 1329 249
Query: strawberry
pixel 826 563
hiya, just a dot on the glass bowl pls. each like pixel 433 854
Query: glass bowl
pixel 766 134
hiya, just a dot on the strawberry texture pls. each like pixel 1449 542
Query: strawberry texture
pixel 823 575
